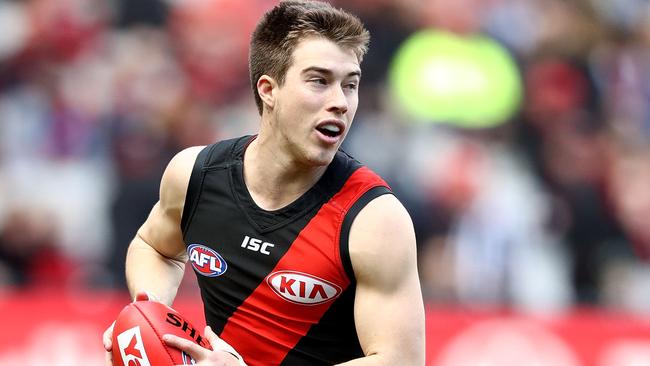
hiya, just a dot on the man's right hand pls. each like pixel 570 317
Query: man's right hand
pixel 107 339
pixel 108 344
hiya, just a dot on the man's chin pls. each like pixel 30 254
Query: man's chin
pixel 321 159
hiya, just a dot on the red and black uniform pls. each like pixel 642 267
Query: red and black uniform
pixel 277 285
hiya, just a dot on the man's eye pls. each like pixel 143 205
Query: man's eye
pixel 352 86
pixel 319 81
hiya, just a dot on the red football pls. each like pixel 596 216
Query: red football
pixel 138 331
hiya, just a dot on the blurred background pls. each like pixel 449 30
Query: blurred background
pixel 516 133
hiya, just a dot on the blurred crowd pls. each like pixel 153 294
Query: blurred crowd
pixel 543 212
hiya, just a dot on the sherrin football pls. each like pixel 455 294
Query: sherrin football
pixel 138 331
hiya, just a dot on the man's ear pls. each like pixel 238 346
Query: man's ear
pixel 266 88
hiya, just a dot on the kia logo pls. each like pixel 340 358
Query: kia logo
pixel 302 288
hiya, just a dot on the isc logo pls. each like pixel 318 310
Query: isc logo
pixel 256 245
pixel 302 288
pixel 206 261
pixel 132 348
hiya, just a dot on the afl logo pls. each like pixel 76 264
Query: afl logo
pixel 302 288
pixel 206 261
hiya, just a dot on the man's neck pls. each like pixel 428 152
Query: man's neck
pixel 273 177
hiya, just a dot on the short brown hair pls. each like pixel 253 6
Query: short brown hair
pixel 289 22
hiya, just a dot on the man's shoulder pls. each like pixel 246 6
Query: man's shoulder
pixel 188 153
pixel 357 172
pixel 179 169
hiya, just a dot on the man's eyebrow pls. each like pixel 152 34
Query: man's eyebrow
pixel 329 72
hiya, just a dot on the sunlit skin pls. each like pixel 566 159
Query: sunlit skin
pixel 291 151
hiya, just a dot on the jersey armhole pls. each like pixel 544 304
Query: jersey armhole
pixel 194 187
pixel 352 213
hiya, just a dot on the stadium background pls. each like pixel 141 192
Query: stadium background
pixel 532 234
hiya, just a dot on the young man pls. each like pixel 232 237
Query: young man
pixel 303 255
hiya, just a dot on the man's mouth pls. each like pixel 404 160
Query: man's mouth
pixel 331 129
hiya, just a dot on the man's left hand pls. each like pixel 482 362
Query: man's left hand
pixel 222 354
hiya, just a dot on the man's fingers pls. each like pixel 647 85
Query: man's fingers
pixel 194 350
pixel 109 359
pixel 108 344
pixel 210 335
pixel 145 296
pixel 219 344
pixel 221 351
pixel 107 338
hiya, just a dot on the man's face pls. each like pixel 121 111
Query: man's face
pixel 317 102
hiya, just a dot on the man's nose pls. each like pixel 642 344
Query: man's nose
pixel 338 101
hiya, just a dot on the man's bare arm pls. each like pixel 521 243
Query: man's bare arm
pixel 389 310
pixel 156 257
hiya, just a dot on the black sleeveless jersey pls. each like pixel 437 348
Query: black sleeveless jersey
pixel 277 285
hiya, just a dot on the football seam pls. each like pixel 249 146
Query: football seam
pixel 155 332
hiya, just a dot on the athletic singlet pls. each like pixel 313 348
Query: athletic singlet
pixel 277 285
